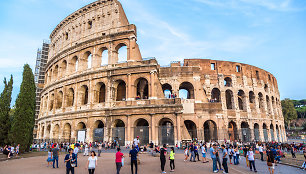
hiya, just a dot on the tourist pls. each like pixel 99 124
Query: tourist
pixel 118 160
pixel 49 156
pixel 304 164
pixel 136 143
pixel 92 162
pixel 6 152
pixel 86 150
pixel 163 152
pixel 196 153
pixel 251 158
pixel 218 159
pixel 99 149
pixel 237 155
pixel 133 154
pixel 186 154
pixel 270 161
pixel 55 155
pixel 260 149
pixel 213 157
pixel 204 153
pixel 293 151
pixel 17 150
pixel 171 158
pixel 70 161
pixel 192 156
pixel 230 153
pixel 76 151
pixel 224 159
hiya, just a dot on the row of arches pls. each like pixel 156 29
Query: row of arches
pixel 186 90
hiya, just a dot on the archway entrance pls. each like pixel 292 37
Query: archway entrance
pixel 232 131
pixel 142 91
pixel 56 132
pixel 118 132
pixel 210 131
pixel 67 132
pixel 166 132
pixel 277 132
pixel 191 128
pixel 98 131
pixel 265 132
pixel 142 130
pixel 272 132
pixel 245 131
pixel 256 132
pixel 81 130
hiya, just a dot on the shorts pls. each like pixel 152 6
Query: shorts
pixel 272 167
pixel 230 156
pixel 204 155
pixel 49 160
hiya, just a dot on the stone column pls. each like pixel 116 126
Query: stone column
pixel 153 129
pixel 128 133
pixel 152 85
pixel 178 127
pixel 129 90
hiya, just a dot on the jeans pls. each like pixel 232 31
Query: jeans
pixel 196 155
pixel 70 169
pixel 76 160
pixel 118 167
pixel 134 162
pixel 261 156
pixel 218 162
pixel 214 164
pixel 237 159
pixel 162 164
pixel 224 164
pixel 91 171
pixel 99 152
pixel 252 163
pixel 192 156
pixel 55 159
pixel 172 166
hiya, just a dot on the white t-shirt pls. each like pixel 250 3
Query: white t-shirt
pixel 260 149
pixel 234 153
pixel 136 142
pixel 203 149
pixel 76 150
pixel 92 162
pixel 250 155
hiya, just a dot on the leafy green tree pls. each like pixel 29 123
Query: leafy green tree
pixel 5 107
pixel 289 111
pixel 24 113
pixel 301 112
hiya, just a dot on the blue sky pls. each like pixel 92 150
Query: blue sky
pixel 270 34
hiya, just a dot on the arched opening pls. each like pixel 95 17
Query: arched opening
pixel 74 64
pixel 215 95
pixel 229 99
pixel 98 131
pixel 142 130
pixel 121 91
pixel 228 82
pixel 55 72
pixel 277 133
pixel 232 131
pixel 142 90
pixel 81 132
pixel 186 91
pixel 210 131
pixel 46 104
pixel 48 131
pixel 261 101
pixel 100 92
pixel 191 129
pixel 167 89
pixel 63 68
pixel 166 132
pixel 265 132
pixel 266 88
pixel 83 95
pixel 272 132
pixel 50 75
pixel 104 58
pixel 256 132
pixel 268 104
pixel 67 132
pixel 51 105
pixel 118 132
pixel 122 53
pixel 59 102
pixel 273 106
pixel 70 97
pixel 42 132
pixel 241 100
pixel 251 97
pixel 88 59
pixel 56 132
pixel 245 131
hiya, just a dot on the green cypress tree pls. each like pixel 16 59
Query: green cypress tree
pixel 24 115
pixel 5 107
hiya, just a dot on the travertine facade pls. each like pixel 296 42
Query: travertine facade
pixel 86 89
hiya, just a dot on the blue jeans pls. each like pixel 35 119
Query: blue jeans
pixel 55 159
pixel 76 160
pixel 214 164
pixel 192 156
pixel 235 160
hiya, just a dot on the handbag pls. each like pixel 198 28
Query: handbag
pixel 73 164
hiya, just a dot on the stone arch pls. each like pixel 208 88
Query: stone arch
pixel 74 64
pixel 261 101
pixel 142 88
pixel 241 100
pixel 100 92
pixel 63 68
pixel 98 131
pixel 272 132
pixel 167 89
pixel 48 130
pixel 56 132
pixel 210 131
pixel 166 131
pixel 142 130
pixel 122 52
pixel 67 132
pixel 50 73
pixel 216 95
pixel 42 133
pixel 228 82
pixel 70 97
pixel 256 132
pixel 233 131
pixel 245 131
pixel 120 90
pixel 118 132
pixel 88 59
pixel 84 95
pixel 81 126
pixel 268 103
pixel 266 88
pixel 103 55
pixel 186 90
pixel 191 129
pixel 59 100
pixel 277 133
pixel 265 132
pixel 55 72
pixel 251 97
pixel 51 104
pixel 229 99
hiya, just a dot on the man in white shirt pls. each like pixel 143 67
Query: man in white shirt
pixel 260 149
pixel 136 143
pixel 250 156
pixel 76 151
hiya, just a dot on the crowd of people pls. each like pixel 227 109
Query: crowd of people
pixel 10 151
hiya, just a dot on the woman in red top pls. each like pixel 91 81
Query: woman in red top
pixel 119 157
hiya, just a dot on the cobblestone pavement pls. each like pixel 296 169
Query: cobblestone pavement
pixel 149 165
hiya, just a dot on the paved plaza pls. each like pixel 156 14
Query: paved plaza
pixel 149 165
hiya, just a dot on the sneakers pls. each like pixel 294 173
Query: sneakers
pixel 164 172
pixel 224 172
pixel 216 171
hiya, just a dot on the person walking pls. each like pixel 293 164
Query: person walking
pixel 270 161
pixel 76 151
pixel 251 158
pixel 224 158
pixel 70 162
pixel 86 150
pixel 118 160
pixel 192 156
pixel 293 152
pixel 230 153
pixel 171 158
pixel 218 160
pixel 133 154
pixel 55 155
pixel 203 149
pixel 186 154
pixel 163 152
pixel 49 156
pixel 92 163
pixel 99 149
pixel 260 149
pixel 17 150
pixel 196 153
pixel 213 152
pixel 237 155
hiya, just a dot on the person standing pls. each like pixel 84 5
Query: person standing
pixel 172 165
pixel 251 158
pixel 70 161
pixel 213 157
pixel 99 149
pixel 237 155
pixel 133 154
pixel 163 152
pixel 204 154
pixel 92 163
pixel 76 151
pixel 196 151
pixel 218 159
pixel 224 159
pixel 118 160
pixel 55 155
pixel 192 156
pixel 86 150
pixel 230 153
pixel 293 152
pixel 186 154
pixel 136 143
pixel 17 150
pixel 260 149
pixel 270 161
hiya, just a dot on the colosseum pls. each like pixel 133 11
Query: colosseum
pixel 93 93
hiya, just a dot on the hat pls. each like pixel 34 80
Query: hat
pixel 137 136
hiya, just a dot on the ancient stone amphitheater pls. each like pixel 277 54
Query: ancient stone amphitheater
pixel 92 94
